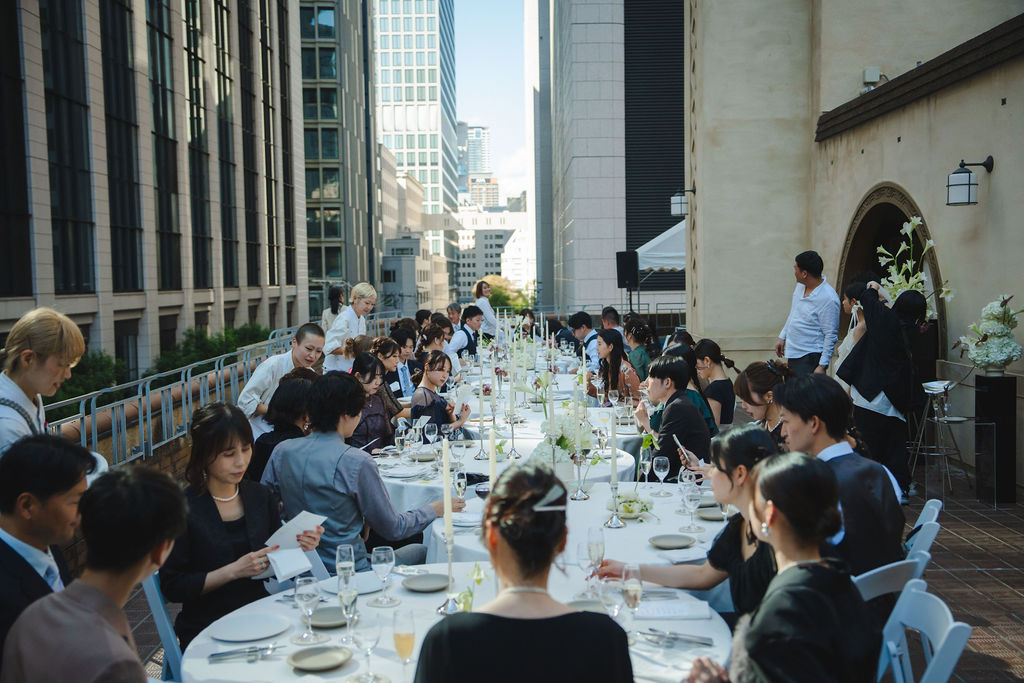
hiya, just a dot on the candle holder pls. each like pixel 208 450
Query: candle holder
pixel 614 522
pixel 451 603
pixel 513 454
pixel 482 453
pixel 578 459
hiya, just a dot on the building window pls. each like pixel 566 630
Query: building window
pixel 269 161
pixel 288 208
pixel 332 261
pixel 309 105
pixel 122 145
pixel 325 22
pixel 328 103
pixel 198 156
pixel 311 138
pixel 16 257
pixel 329 143
pixel 332 223
pixel 126 348
pixel 225 144
pixel 168 332
pixel 307 23
pixel 250 174
pixel 388 275
pixel 313 223
pixel 316 263
pixel 67 114
pixel 328 64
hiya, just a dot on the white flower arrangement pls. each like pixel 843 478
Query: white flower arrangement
pixel 907 273
pixel 567 437
pixel 632 504
pixel 990 342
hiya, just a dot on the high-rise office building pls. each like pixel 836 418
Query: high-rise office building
pixel 343 212
pixel 149 169
pixel 484 191
pixel 478 150
pixel 414 56
pixel 461 158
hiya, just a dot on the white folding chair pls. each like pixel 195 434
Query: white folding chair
pixel 164 627
pixel 941 638
pixel 893 577
pixel 923 538
pixel 929 513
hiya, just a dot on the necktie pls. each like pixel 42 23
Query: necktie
pixel 403 376
pixel 52 577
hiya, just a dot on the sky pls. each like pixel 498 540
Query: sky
pixel 489 83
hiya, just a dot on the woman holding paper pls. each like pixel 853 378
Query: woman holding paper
pixel 210 569
pixel 426 401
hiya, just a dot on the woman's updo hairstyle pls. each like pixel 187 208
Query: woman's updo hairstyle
pixel 760 377
pixel 533 535
pixel 366 367
pixel 432 360
pixel 356 345
pixel 384 347
pixel 746 445
pixel 805 490
pixel 215 427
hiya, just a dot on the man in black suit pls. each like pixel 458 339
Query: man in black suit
pixel 815 413
pixel 41 480
pixel 407 365
pixel 666 382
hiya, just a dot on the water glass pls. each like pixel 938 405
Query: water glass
pixel 613 397
pixel 382 561
pixel 430 432
pixel 583 562
pixel 612 597
pixel 691 501
pixel 404 631
pixel 345 563
pixel 661 471
pixel 307 596
pixel 365 636
pixel 348 595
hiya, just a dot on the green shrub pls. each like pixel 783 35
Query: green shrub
pixel 96 370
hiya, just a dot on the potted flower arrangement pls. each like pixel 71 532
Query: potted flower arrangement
pixel 990 343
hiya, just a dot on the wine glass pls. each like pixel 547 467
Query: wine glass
pixel 612 597
pixel 382 562
pixel 365 636
pixel 661 471
pixel 345 564
pixel 348 594
pixel 430 432
pixel 632 588
pixel 599 386
pixel 595 548
pixel 459 481
pixel 583 562
pixel 307 596
pixel 446 431
pixel 404 629
pixel 646 458
pixel 613 397
pixel 691 501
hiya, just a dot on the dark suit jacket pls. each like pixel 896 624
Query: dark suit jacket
pixel 882 360
pixel 20 586
pixel 684 420
pixel 873 520
pixel 204 547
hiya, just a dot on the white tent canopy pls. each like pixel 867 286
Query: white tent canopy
pixel 666 252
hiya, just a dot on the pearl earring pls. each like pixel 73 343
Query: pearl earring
pixel 765 531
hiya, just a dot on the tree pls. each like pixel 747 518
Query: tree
pixel 504 293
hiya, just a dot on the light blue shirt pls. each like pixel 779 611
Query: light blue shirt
pixel 813 323
pixel 844 448
pixel 592 359
pixel 42 563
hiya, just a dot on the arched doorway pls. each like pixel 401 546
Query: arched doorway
pixel 877 222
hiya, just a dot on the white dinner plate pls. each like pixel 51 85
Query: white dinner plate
pixel 323 658
pixel 366 582
pixel 241 628
pixel 466 519
pixel 671 541
pixel 426 583
pixel 587 605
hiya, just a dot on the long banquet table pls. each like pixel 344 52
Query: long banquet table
pixel 650 662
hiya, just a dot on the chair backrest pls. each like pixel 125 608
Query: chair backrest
pixel 318 569
pixel 893 577
pixel 164 627
pixel 923 539
pixel 929 513
pixel 942 638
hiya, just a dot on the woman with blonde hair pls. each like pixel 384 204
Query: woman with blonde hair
pixel 482 292
pixel 41 349
pixel 351 322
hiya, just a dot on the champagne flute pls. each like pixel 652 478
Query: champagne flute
pixel 345 564
pixel 595 551
pixel 348 595
pixel 646 458
pixel 691 501
pixel 583 562
pixel 365 637
pixel 460 483
pixel 382 561
pixel 661 467
pixel 307 595
pixel 632 588
pixel 404 629
pixel 400 435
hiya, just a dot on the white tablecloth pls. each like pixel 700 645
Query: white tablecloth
pixel 649 661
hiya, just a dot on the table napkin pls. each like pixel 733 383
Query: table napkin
pixel 406 471
pixel 674 609
pixel 683 555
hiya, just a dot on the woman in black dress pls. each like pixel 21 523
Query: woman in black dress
pixel 718 392
pixel 374 428
pixel 230 518
pixel 736 554
pixel 426 401
pixel 524 529
pixel 754 387
pixel 812 624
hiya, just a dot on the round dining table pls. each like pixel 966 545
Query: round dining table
pixel 653 659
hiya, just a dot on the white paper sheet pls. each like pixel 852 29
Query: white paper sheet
pixel 285 536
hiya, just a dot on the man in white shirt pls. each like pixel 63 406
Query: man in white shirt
pixel 42 479
pixel 582 326
pixel 815 414
pixel 465 338
pixel 306 347
pixel 610 321
pixel 809 336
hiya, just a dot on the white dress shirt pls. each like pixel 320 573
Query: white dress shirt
pixel 879 404
pixel 263 382
pixel 459 341
pixel 813 323
pixel 490 323
pixel 345 326
pixel 42 562
pixel 592 360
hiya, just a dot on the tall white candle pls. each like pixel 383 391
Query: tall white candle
pixel 480 394
pixel 492 466
pixel 511 380
pixel 615 454
pixel 447 489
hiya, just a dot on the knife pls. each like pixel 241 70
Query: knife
pixel 257 651
pixel 697 640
